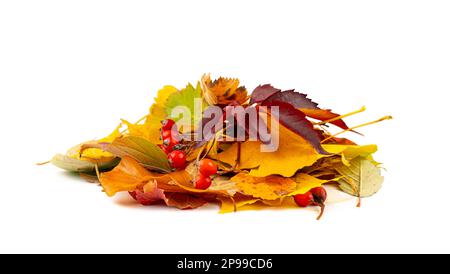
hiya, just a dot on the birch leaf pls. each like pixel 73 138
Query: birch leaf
pixel 361 179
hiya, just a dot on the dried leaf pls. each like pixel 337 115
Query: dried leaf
pixel 305 183
pixel 223 91
pixel 262 92
pixel 296 99
pixel 362 178
pixel 184 201
pixel 349 152
pixel 146 153
pixel 296 121
pixel 268 188
pixel 267 94
pixel 157 112
pixel 294 151
pixel 232 204
pixel 84 166
pixel 95 153
pixel 185 98
pixel 127 176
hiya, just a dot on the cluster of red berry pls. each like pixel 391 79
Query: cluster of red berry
pixel 177 157
pixel 206 168
pixel 171 144
pixel 315 196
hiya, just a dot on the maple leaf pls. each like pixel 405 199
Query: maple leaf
pixel 294 151
pixel 270 188
pixel 223 91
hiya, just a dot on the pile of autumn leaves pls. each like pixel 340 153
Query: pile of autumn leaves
pixel 133 157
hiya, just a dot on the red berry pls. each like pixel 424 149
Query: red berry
pixel 166 134
pixel 170 142
pixel 304 200
pixel 203 182
pixel 177 159
pixel 320 194
pixel 167 124
pixel 207 167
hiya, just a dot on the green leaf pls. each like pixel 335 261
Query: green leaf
pixel 361 178
pixel 185 99
pixel 82 166
pixel 147 154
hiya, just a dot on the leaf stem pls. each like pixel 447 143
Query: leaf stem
pixel 363 108
pixel 359 126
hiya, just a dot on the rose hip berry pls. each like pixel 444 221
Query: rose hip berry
pixel 207 167
pixel 177 159
pixel 203 182
pixel 320 194
pixel 166 134
pixel 304 200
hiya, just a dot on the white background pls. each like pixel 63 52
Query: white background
pixel 69 70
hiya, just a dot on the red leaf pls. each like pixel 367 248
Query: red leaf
pixel 306 105
pixel 146 198
pixel 296 121
pixel 262 92
pixel 184 201
pixel 296 99
pixel 324 115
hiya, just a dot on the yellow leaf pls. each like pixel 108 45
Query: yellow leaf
pixel 293 154
pixel 269 188
pixel 222 91
pixel 230 204
pixel 305 183
pixel 150 129
pixel 349 152
pixel 95 153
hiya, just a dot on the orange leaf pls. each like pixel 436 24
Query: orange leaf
pixel 126 176
pixel 270 188
pixel 184 201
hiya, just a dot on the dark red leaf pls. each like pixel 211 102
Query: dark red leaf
pixel 296 99
pixel 309 107
pixel 262 92
pixel 296 121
